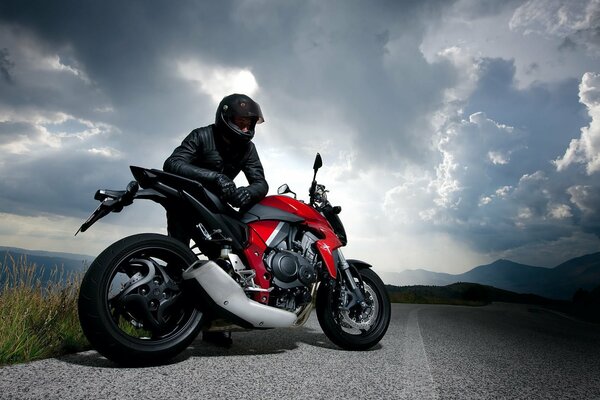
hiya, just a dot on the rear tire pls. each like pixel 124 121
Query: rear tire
pixel 355 329
pixel 132 307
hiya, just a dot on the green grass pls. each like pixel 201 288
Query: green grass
pixel 37 320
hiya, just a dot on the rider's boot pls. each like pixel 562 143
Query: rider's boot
pixel 219 338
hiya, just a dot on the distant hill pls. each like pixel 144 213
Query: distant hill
pixel 586 304
pixel 46 262
pixel 560 282
pixel 42 253
pixel 462 293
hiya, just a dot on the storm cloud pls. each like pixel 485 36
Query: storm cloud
pixel 435 118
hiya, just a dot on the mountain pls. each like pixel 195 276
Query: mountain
pixel 559 282
pixel 463 293
pixel 412 277
pixel 54 254
pixel 46 262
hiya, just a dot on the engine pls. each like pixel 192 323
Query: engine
pixel 293 264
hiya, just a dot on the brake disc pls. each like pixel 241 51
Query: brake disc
pixel 367 316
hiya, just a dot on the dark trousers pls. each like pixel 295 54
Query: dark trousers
pixel 180 224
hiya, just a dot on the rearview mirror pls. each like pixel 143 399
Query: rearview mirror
pixel 318 162
pixel 283 189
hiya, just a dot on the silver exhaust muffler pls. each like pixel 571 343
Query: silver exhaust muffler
pixel 229 300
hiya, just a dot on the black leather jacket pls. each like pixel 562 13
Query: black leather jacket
pixel 203 155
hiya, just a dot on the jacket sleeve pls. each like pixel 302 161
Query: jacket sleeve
pixel 181 162
pixel 255 175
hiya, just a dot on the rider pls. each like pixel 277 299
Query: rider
pixel 214 155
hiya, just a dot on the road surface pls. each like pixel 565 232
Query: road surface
pixel 430 352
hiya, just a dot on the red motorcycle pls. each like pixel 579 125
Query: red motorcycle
pixel 146 297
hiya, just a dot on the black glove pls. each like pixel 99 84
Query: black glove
pixel 241 198
pixel 226 186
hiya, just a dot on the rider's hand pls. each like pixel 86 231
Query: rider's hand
pixel 226 186
pixel 241 198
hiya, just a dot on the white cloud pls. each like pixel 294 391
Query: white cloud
pixel 410 202
pixel 559 211
pixel 107 152
pixel 576 20
pixel 36 65
pixel 19 145
pixel 467 68
pixel 586 149
pixel 537 176
pixel 503 191
pixel 462 170
pixel 54 63
pixel 498 158
pixel 583 197
pixel 500 193
pixel 47 130
pixel 524 213
pixel 218 81
pixel 485 201
pixel 554 48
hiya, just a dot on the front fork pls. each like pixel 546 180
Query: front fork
pixel 354 292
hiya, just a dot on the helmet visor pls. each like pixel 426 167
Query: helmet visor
pixel 245 107
pixel 244 124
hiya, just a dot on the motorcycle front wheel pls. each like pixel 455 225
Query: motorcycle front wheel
pixel 132 306
pixel 356 328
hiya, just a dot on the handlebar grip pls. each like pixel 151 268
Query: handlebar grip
pixel 130 191
pixel 133 186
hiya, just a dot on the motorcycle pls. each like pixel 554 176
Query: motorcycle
pixel 146 297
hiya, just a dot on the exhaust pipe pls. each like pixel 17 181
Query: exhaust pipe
pixel 229 300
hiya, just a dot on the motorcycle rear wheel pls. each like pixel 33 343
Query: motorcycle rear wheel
pixel 355 329
pixel 132 306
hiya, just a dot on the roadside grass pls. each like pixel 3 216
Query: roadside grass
pixel 38 320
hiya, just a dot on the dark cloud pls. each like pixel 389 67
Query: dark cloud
pixel 9 131
pixel 5 65
pixel 88 88
pixel 369 70
pixel 505 191
pixel 586 197
pixel 567 45
pixel 533 68
pixel 52 182
pixel 474 9
pixel 361 73
pixel 549 113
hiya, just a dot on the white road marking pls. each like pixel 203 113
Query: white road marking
pixel 416 364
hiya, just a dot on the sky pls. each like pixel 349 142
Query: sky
pixel 453 133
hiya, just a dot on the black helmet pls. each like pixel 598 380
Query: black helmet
pixel 237 106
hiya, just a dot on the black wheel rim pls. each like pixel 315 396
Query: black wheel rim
pixel 144 297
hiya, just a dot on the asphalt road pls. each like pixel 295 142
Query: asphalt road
pixel 430 352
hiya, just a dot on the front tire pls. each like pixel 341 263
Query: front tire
pixel 356 328
pixel 132 307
